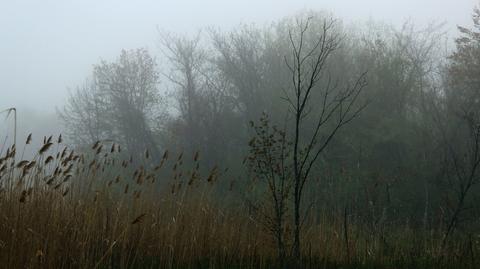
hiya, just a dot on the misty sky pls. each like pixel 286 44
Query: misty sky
pixel 47 47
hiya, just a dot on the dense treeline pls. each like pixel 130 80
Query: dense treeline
pixel 388 125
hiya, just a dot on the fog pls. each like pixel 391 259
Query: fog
pixel 240 134
pixel 48 46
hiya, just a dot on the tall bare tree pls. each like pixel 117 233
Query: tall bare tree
pixel 337 108
pixel 205 105
pixel 187 61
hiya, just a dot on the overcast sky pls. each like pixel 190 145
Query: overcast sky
pixel 49 46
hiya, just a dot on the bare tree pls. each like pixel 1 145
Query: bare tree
pixel 458 120
pixel 187 59
pixel 129 88
pixel 241 59
pixel 206 106
pixel 269 162
pixel 83 115
pixel 336 108
pixel 117 104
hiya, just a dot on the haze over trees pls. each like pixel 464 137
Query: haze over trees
pixel 305 143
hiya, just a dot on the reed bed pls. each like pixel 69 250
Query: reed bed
pixel 100 209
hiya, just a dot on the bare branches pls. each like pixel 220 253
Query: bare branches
pixel 462 159
pixel 269 161
pixel 337 107
pixel 117 103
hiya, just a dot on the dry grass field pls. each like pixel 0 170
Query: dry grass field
pixel 64 209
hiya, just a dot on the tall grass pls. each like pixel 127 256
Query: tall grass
pixel 99 209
